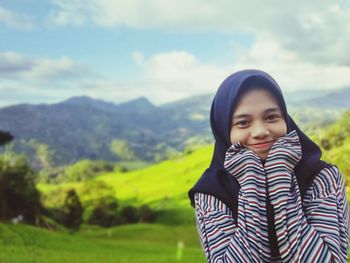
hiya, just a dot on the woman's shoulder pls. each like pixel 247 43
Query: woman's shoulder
pixel 208 203
pixel 327 182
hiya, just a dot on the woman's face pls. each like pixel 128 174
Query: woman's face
pixel 257 122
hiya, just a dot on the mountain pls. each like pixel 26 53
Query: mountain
pixel 337 99
pixel 82 127
pixel 300 96
pixel 139 105
pixel 71 131
pixel 87 128
pixel 96 103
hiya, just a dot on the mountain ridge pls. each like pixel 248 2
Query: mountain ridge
pixel 87 128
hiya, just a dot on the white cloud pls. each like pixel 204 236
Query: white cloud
pixel 135 13
pixel 12 63
pixel 63 68
pixel 14 66
pixel 15 20
pixel 290 71
pixel 26 79
pixel 179 74
pixel 74 12
pixel 163 77
pixel 318 31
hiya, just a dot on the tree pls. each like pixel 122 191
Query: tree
pixel 72 211
pixel 105 213
pixel 5 137
pixel 130 214
pixel 146 214
pixel 18 193
pixel 45 155
pixel 122 149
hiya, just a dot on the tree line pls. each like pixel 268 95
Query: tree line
pixel 20 199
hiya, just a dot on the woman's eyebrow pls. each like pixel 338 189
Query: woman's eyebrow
pixel 240 116
pixel 269 110
pixel 272 110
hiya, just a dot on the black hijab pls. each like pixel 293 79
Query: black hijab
pixel 216 180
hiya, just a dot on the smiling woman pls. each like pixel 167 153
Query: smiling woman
pixel 257 121
pixel 267 196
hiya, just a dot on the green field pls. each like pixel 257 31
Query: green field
pixel 128 243
pixel 162 186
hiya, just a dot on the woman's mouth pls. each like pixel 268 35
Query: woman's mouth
pixel 262 145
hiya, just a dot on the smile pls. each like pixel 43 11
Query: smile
pixel 262 145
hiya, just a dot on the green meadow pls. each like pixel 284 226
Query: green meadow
pixel 162 186
pixel 172 238
pixel 127 243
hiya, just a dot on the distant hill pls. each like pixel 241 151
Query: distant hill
pixel 318 108
pixel 87 128
pixel 83 127
pixel 136 106
pixel 95 103
pixel 300 96
pixel 339 99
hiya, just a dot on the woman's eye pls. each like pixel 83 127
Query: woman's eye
pixel 272 117
pixel 242 123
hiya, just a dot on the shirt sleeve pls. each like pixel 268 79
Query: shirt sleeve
pixel 318 230
pixel 221 239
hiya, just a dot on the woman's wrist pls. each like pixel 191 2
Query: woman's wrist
pixel 244 165
pixel 285 152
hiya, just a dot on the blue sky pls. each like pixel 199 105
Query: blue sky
pixel 166 50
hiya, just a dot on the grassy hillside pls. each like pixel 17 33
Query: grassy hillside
pixel 335 142
pixel 163 186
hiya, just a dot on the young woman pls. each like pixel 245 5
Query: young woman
pixel 267 196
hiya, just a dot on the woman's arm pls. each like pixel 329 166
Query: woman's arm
pixel 319 231
pixel 327 214
pixel 246 240
pixel 221 239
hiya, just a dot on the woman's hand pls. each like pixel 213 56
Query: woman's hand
pixel 286 151
pixel 244 165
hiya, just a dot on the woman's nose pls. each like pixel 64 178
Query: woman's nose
pixel 260 130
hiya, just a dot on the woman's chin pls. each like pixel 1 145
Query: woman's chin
pixel 262 156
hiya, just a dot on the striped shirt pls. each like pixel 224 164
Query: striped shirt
pixel 314 229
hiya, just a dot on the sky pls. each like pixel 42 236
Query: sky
pixel 166 50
